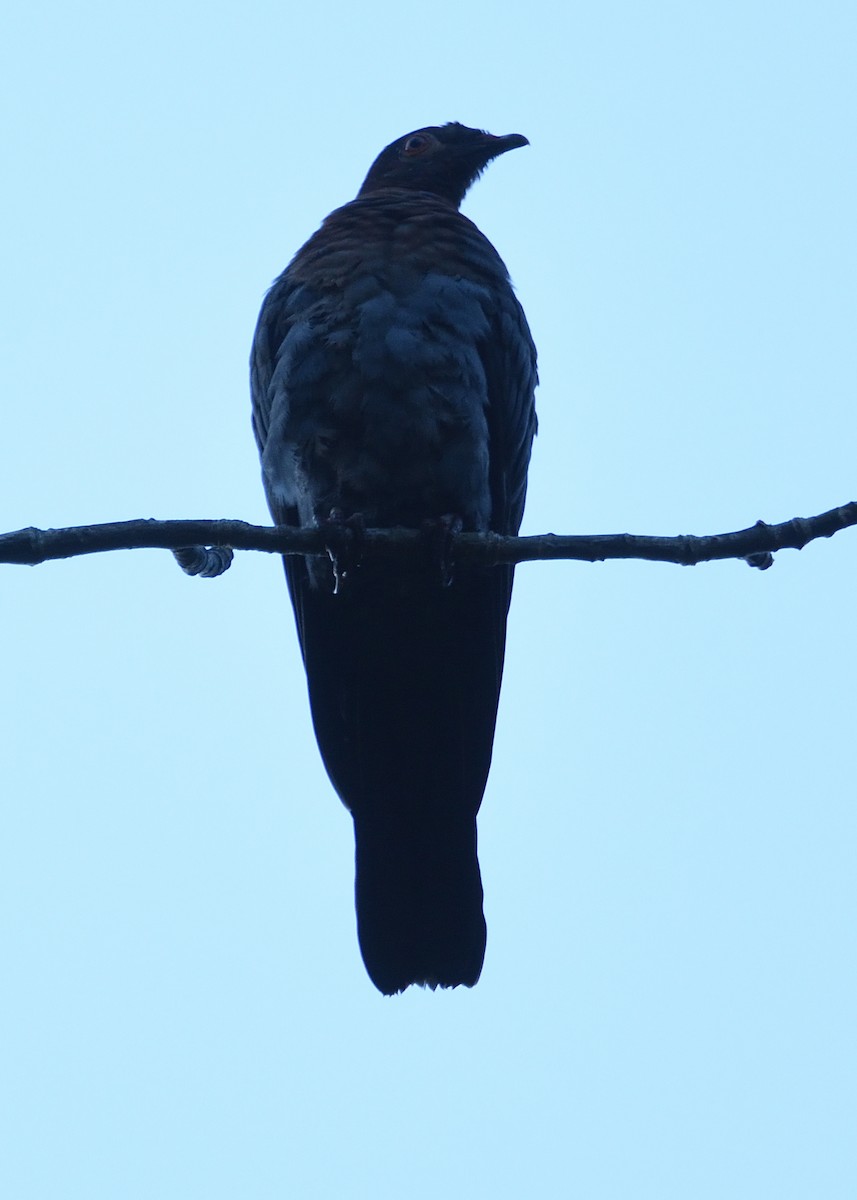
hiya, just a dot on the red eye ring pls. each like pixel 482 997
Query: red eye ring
pixel 417 143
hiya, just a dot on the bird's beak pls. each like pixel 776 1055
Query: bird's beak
pixel 510 141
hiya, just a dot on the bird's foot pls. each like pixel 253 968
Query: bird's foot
pixel 439 533
pixel 344 543
pixel 206 561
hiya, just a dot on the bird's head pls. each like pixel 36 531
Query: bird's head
pixel 442 159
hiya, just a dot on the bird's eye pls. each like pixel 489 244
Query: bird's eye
pixel 417 143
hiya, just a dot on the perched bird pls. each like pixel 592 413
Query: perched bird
pixel 392 377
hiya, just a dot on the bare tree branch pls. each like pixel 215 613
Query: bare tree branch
pixel 204 547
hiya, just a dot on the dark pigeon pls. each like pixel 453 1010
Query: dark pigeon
pixel 392 376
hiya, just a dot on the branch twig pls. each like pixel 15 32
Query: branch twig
pixel 755 544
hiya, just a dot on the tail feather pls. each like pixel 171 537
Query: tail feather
pixel 404 681
pixel 419 902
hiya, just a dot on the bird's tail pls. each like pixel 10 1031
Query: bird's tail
pixel 404 680
pixel 419 899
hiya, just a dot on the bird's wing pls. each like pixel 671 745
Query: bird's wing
pixel 509 358
pixel 275 320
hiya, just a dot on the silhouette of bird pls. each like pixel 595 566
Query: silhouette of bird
pixel 392 377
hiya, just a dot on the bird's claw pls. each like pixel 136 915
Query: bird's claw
pixel 439 534
pixel 344 544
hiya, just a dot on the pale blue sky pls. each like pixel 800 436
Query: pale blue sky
pixel 668 838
